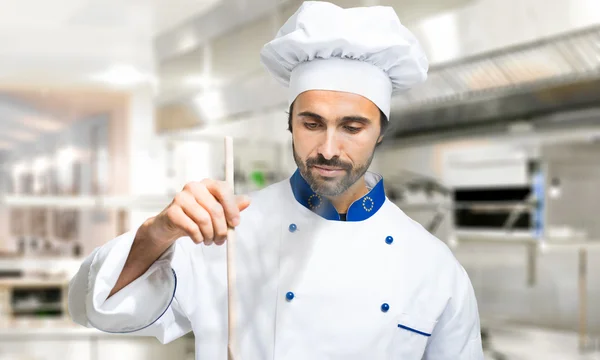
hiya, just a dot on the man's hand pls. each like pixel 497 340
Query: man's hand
pixel 202 210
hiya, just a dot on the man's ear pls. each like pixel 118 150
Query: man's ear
pixel 380 139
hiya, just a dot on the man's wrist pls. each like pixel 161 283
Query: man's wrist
pixel 146 247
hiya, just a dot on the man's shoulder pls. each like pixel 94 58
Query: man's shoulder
pixel 269 194
pixel 428 248
pixel 435 260
pixel 265 206
pixel 266 202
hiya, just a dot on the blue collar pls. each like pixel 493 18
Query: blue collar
pixel 361 209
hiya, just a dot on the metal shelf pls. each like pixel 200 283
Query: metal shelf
pixel 149 202
pixel 424 206
pixel 28 308
pixel 495 206
pixel 491 206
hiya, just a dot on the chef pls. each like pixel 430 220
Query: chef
pixel 327 267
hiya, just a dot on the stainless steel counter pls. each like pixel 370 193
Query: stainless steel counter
pixel 45 339
pixel 45 328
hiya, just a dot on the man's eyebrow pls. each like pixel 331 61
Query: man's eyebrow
pixel 355 118
pixel 312 115
pixel 346 119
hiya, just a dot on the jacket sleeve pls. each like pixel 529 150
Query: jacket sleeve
pixel 457 335
pixel 148 306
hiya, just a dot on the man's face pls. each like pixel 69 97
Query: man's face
pixel 334 137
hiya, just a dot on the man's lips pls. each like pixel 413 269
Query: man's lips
pixel 327 170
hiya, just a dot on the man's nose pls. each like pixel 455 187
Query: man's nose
pixel 330 146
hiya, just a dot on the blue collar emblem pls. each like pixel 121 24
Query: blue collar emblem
pixel 361 209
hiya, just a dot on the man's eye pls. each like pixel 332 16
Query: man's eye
pixel 352 129
pixel 311 126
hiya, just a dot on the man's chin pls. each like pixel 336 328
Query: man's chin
pixel 326 187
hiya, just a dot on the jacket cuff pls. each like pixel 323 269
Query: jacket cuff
pixel 139 304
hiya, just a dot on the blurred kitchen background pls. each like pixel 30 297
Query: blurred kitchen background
pixel 108 107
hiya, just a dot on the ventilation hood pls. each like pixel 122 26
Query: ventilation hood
pixel 551 75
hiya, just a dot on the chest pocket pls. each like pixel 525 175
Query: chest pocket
pixel 411 336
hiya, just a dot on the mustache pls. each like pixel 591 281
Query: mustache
pixel 333 162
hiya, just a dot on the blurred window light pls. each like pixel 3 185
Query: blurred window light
pixel 38 177
pixel 202 81
pixel 122 75
pixel 210 104
pixel 40 164
pixel 555 188
pixel 21 135
pixel 40 122
pixel 584 12
pixel 519 155
pixel 187 42
pixel 20 168
pixel 543 246
pixel 5 144
pixel 441 32
pixel 66 156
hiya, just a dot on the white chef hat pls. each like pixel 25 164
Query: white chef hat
pixel 365 51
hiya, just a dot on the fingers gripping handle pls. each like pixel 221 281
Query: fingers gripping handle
pixel 231 294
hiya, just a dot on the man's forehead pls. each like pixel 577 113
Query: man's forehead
pixel 318 96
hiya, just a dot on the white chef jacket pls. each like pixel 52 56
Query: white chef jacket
pixel 376 286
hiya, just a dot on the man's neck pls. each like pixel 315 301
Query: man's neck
pixel 343 201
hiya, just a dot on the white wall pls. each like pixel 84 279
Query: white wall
pixel 486 25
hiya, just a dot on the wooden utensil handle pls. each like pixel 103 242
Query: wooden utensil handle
pixel 231 294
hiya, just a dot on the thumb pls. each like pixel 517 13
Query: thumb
pixel 243 201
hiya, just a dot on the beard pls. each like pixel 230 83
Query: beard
pixel 330 186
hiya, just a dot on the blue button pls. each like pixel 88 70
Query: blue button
pixel 389 240
pixel 289 296
pixel 293 227
pixel 385 307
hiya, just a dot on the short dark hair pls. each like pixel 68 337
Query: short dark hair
pixel 383 121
